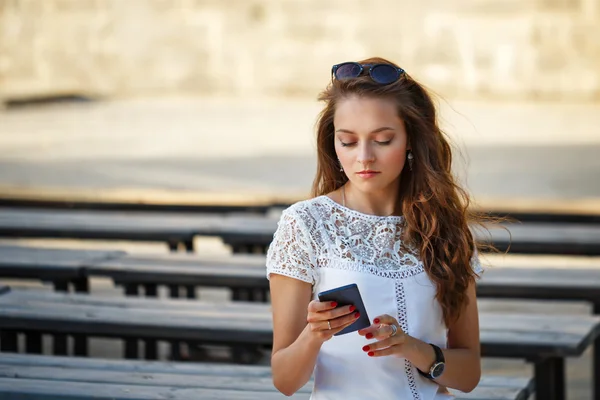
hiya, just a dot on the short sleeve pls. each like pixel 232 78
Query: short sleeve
pixel 292 253
pixel 476 263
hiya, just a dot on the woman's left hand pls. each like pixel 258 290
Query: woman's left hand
pixel 391 340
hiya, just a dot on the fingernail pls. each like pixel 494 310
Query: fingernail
pixel 333 304
pixel 376 320
pixel 369 335
pixel 356 315
pixel 352 308
pixel 371 354
pixel 366 348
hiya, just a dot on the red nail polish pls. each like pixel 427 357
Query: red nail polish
pixel 333 304
pixel 366 348
pixel 369 335
pixel 371 354
pixel 376 320
pixel 356 315
pixel 352 308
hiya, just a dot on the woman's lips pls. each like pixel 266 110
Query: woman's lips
pixel 368 174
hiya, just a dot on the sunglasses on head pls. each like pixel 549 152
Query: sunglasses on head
pixel 380 73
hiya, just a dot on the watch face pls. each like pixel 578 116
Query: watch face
pixel 437 370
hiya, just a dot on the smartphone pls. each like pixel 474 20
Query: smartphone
pixel 346 296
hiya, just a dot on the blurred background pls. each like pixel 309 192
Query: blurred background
pixel 180 101
pixel 181 96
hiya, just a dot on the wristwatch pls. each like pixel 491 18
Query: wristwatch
pixel 437 369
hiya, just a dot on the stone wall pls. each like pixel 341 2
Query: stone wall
pixel 475 49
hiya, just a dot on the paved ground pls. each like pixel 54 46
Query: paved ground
pixel 547 152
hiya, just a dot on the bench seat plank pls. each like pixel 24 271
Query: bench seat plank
pixel 502 334
pixel 250 383
pixel 35 223
pixel 529 238
pixel 248 271
pixel 48 263
pixel 37 389
pixel 252 230
pixel 204 375
pixel 541 283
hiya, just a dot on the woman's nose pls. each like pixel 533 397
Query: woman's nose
pixel 366 155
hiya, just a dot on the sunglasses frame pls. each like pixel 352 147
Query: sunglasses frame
pixel 335 68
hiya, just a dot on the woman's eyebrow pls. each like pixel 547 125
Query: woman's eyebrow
pixel 383 128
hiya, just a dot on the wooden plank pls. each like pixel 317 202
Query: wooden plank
pixel 247 271
pixel 546 238
pixel 215 206
pixel 534 335
pixel 541 283
pixel 142 318
pixel 97 225
pixel 223 203
pixel 530 238
pixel 48 263
pixel 30 389
pixel 178 374
pixel 180 368
pixel 502 334
pixel 15 196
pixel 244 230
pixel 33 389
pixel 213 381
pixel 562 209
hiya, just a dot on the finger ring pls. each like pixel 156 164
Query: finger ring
pixel 394 330
pixel 329 324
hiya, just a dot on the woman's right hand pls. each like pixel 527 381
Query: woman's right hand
pixel 326 319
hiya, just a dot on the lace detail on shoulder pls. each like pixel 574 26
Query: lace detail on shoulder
pixel 370 241
pixel 292 251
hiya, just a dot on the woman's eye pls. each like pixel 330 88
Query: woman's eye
pixel 384 143
pixel 347 144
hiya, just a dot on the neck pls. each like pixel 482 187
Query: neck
pixel 381 203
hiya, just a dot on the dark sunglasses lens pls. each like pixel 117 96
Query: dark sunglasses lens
pixel 384 74
pixel 348 70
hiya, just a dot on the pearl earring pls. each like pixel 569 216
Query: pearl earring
pixel 410 158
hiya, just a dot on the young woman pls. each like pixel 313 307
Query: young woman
pixel 388 216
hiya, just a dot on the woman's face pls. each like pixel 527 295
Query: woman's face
pixel 370 136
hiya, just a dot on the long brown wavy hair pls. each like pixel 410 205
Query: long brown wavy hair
pixel 434 206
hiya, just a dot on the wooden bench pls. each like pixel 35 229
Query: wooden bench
pixel 542 340
pixel 57 371
pixel 40 389
pixel 530 238
pixel 250 233
pixel 217 204
pixel 245 276
pixel 149 227
pixel 60 266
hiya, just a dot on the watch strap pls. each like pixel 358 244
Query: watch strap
pixel 439 358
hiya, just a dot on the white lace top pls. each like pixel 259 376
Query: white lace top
pixel 328 245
